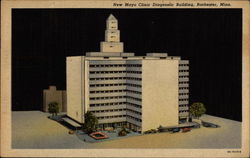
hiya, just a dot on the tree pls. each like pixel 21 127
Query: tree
pixel 197 109
pixel 53 108
pixel 91 122
pixel 122 132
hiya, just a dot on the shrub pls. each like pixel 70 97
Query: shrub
pixel 123 132
pixel 53 108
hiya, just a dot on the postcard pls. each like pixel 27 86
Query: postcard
pixel 83 78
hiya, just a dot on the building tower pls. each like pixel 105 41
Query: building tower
pixel 112 37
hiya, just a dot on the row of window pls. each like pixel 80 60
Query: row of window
pixel 134 92
pixel 114 97
pixel 183 105
pixel 133 78
pixel 183 70
pixel 116 103
pixel 109 91
pixel 133 85
pixel 107 104
pixel 135 112
pixel 134 105
pixel 109 110
pixel 106 72
pixel 183 64
pixel 115 91
pixel 124 103
pixel 116 84
pixel 116 78
pixel 117 65
pixel 121 97
pixel 183 82
pixel 182 88
pixel 183 76
pixel 108 85
pixel 119 116
pixel 181 111
pixel 116 110
pixel 114 72
pixel 108 78
pixel 183 99
pixel 133 98
pixel 183 93
pixel 110 97
pixel 134 118
pixel 109 117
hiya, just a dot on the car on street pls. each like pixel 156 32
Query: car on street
pixel 186 130
pixel 175 130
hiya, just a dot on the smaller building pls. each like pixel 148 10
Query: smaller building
pixel 54 95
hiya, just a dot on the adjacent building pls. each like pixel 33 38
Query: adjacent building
pixel 119 88
pixel 53 95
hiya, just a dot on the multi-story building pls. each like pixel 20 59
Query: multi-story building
pixel 142 92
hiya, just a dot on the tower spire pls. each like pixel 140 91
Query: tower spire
pixel 112 36
pixel 111 17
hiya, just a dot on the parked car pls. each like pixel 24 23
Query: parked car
pixel 147 132
pixel 150 131
pixel 153 131
pixel 196 126
pixel 186 129
pixel 175 130
pixel 211 125
pixel 71 132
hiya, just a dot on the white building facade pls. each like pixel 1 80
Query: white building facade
pixel 142 92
